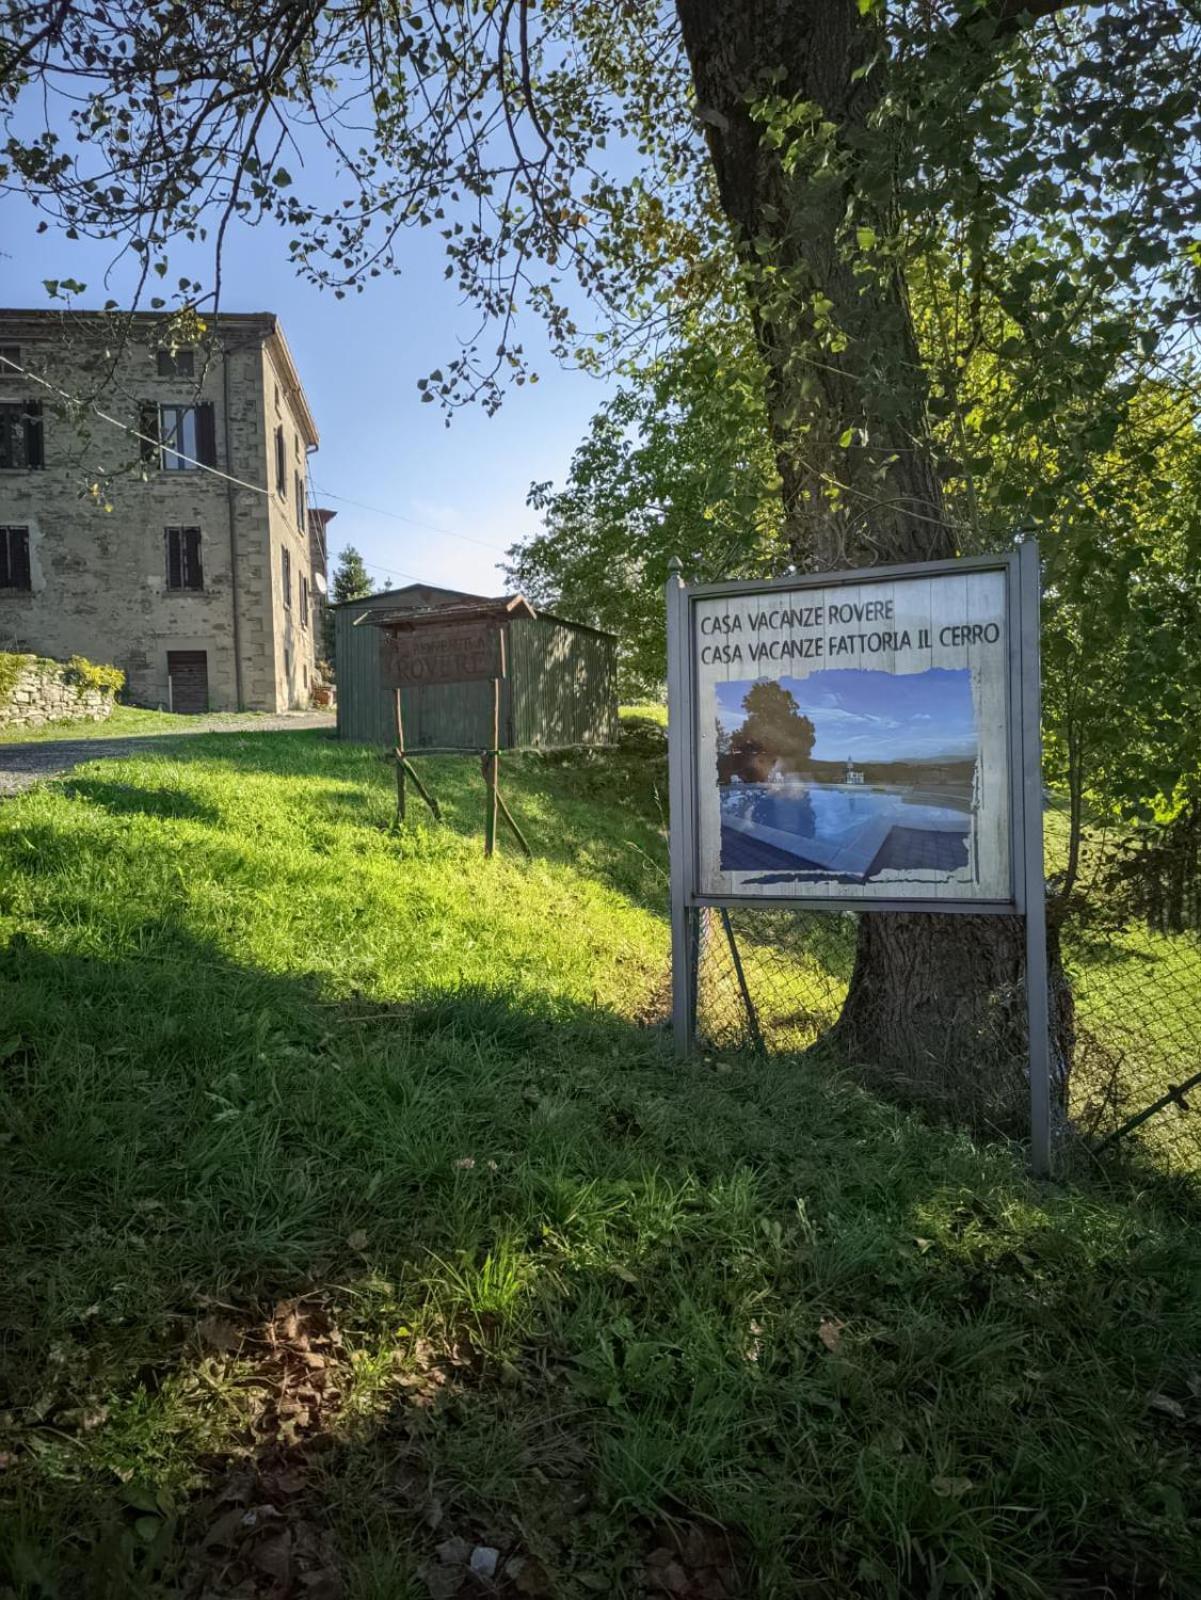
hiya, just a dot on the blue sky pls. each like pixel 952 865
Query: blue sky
pixel 876 716
pixel 359 360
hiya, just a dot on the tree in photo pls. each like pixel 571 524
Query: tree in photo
pixel 812 153
pixel 351 581
pixel 775 734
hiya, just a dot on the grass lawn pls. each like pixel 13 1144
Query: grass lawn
pixel 357 1225
pixel 125 722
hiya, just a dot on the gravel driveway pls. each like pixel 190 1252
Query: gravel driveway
pixel 24 764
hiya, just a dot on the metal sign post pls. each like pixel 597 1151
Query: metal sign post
pixel 863 740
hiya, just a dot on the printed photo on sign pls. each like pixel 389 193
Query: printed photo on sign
pixel 853 740
pixel 848 774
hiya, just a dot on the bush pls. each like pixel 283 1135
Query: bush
pixel 11 667
pixel 86 674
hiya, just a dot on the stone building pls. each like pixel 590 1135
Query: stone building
pixel 126 549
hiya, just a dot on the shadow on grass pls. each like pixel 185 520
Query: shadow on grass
pixel 125 799
pixel 299 1293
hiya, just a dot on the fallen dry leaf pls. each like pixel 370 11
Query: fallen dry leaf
pixel 528 1576
pixel 830 1332
pixel 443 1582
pixel 218 1334
pixel 274 1556
pixel 1169 1407
pixel 951 1488
pixel 453 1552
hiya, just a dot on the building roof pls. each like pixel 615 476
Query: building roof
pixel 264 325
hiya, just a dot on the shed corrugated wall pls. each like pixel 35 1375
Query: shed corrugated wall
pixel 564 684
pixel 560 690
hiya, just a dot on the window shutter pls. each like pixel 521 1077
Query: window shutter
pixel 149 429
pixel 6 575
pixel 34 452
pixel 174 559
pixel 19 558
pixel 206 434
pixel 195 573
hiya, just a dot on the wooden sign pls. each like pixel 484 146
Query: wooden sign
pixel 443 652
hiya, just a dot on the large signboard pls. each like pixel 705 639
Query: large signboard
pixel 446 652
pixel 861 740
pixel 854 739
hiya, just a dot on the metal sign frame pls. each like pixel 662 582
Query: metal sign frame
pixel 1027 897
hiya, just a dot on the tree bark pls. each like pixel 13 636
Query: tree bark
pixel 789 92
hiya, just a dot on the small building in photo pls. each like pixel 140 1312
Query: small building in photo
pixel 560 689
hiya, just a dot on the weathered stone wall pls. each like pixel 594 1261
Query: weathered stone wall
pixel 45 691
pixel 99 576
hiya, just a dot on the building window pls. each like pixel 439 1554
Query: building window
pixel 178 438
pixel 287 577
pixel 10 357
pixel 304 601
pixel 298 483
pixel 14 559
pixel 184 569
pixel 176 363
pixel 281 463
pixel 21 434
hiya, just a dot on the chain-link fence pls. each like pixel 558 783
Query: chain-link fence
pixel 1127 904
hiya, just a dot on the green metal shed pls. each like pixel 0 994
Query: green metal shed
pixel 561 687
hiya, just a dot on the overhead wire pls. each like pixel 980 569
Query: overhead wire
pixel 240 483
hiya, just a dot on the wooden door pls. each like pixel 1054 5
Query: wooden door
pixel 188 671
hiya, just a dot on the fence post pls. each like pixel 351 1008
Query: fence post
pixel 679 747
pixel 1037 1011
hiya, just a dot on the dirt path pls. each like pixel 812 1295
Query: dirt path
pixel 24 764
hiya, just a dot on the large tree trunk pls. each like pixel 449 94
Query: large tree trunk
pixel 788 92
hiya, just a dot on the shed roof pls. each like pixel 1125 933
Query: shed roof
pixel 497 610
pixel 454 599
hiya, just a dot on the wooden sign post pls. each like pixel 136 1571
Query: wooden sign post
pixel 450 644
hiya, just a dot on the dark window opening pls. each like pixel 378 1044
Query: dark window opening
pixel 10 356
pixel 14 559
pixel 298 485
pixel 176 363
pixel 184 569
pixel 287 577
pixel 304 601
pixel 281 463
pixel 178 438
pixel 21 434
